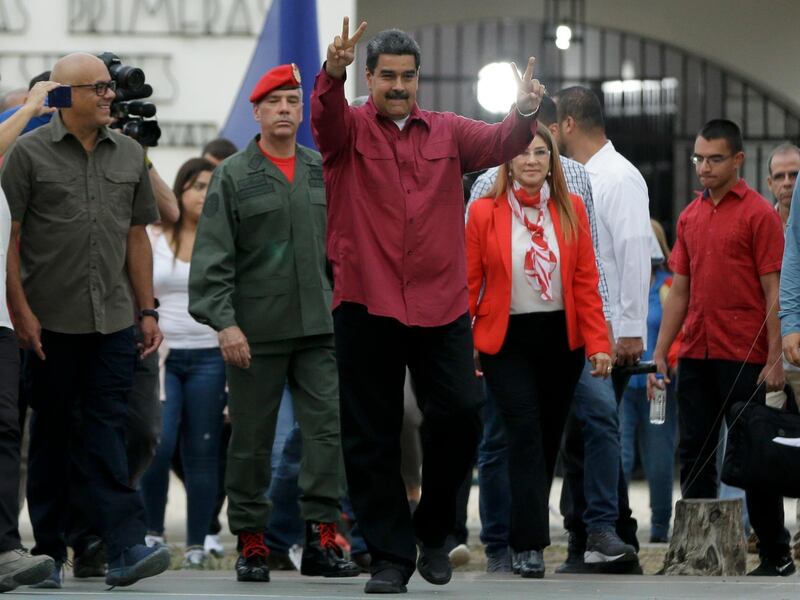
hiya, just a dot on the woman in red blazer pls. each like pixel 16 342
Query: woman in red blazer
pixel 536 310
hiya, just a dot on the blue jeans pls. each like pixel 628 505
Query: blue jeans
pixel 656 445
pixel 595 408
pixel 493 484
pixel 284 527
pixel 195 386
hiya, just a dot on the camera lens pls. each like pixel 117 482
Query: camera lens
pixel 131 78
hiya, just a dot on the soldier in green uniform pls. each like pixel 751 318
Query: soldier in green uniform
pixel 259 278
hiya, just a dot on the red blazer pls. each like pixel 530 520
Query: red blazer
pixel 489 267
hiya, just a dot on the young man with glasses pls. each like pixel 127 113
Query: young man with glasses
pixel 80 198
pixel 724 296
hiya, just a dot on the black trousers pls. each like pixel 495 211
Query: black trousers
pixel 532 378
pixel 96 371
pixel 9 440
pixel 706 391
pixel 372 354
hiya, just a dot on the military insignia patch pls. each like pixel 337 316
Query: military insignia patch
pixel 296 72
pixel 211 205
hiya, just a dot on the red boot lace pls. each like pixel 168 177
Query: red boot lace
pixel 327 535
pixel 253 544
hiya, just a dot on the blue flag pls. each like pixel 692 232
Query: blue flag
pixel 289 36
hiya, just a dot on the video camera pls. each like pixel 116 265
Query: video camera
pixel 131 113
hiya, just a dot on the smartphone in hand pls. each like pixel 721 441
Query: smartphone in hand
pixel 60 97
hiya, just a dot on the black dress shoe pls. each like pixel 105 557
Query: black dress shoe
pixel 363 560
pixel 252 562
pixel 387 579
pixel 434 565
pixel 322 555
pixel 531 564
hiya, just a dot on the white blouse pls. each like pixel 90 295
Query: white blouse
pixel 171 287
pixel 524 299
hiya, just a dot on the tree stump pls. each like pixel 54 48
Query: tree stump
pixel 707 539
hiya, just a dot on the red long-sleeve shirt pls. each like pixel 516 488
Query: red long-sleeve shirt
pixel 395 201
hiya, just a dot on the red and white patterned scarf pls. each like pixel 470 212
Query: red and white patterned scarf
pixel 540 261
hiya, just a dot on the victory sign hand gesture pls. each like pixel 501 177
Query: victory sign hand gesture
pixel 529 90
pixel 341 52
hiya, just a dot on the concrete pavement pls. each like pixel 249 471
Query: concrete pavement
pixel 220 585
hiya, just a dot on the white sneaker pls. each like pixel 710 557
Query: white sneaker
pixel 296 555
pixel 194 558
pixel 460 555
pixel 153 540
pixel 212 546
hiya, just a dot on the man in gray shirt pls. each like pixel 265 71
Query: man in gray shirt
pixel 80 198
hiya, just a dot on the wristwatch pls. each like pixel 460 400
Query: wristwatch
pixel 148 312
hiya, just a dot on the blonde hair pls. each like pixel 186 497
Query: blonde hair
pixel 555 179
pixel 661 237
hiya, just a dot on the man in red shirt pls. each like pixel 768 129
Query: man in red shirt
pixel 724 294
pixel 396 245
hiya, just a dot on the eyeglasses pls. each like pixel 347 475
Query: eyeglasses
pixel 537 154
pixel 100 87
pixel 713 160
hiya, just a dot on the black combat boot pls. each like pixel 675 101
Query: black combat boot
pixel 322 556
pixel 252 562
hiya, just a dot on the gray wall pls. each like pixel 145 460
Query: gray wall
pixel 756 39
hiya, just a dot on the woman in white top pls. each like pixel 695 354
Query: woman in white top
pixel 194 374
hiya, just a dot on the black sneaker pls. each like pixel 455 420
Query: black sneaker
pixel 531 564
pixel 323 556
pixel 252 562
pixel 387 578
pixel 434 564
pixel 606 547
pixel 780 567
pixel 90 560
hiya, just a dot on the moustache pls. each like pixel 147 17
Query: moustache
pixel 397 95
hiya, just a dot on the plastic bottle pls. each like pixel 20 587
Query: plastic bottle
pixel 658 405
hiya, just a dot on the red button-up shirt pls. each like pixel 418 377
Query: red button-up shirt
pixel 396 203
pixel 724 250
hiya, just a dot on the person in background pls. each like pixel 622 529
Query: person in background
pixel 655 443
pixel 537 314
pixel 17 565
pixel 194 375
pixel 784 165
pixel 218 150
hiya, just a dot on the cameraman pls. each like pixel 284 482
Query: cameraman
pixel 80 198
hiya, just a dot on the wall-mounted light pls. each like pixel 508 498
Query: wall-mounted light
pixel 563 37
pixel 496 89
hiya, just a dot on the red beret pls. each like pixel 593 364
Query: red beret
pixel 283 76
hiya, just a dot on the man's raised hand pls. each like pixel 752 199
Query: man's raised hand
pixel 342 52
pixel 529 90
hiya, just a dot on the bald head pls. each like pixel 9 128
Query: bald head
pixel 78 68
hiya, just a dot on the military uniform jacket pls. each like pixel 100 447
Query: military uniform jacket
pixel 259 256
